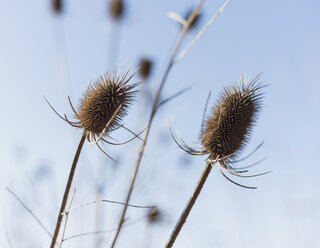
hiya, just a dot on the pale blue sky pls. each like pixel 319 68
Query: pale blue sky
pixel 279 38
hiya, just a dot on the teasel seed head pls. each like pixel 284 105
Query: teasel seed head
pixel 57 6
pixel 226 131
pixel 228 128
pixel 100 101
pixel 154 215
pixel 116 9
pixel 145 67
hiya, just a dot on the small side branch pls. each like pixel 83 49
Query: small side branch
pixel 107 201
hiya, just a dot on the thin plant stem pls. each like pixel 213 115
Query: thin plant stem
pixel 153 112
pixel 66 221
pixel 202 31
pixel 66 192
pixel 190 204
pixel 107 201
pixel 29 211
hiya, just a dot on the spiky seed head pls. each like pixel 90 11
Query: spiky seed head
pixel 57 6
pixel 145 67
pixel 100 101
pixel 116 9
pixel 228 128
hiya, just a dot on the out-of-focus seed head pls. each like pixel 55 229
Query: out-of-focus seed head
pixel 145 67
pixel 154 215
pixel 57 6
pixel 227 129
pixel 102 99
pixel 116 9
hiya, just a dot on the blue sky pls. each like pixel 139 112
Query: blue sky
pixel 54 56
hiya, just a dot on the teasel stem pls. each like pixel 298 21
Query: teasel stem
pixel 66 192
pixel 155 106
pixel 191 202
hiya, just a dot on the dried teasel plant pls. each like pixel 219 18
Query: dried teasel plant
pixel 57 6
pixel 103 106
pixel 174 58
pixel 223 136
pixel 145 67
pixel 154 215
pixel 227 129
pixel 116 9
pixel 100 111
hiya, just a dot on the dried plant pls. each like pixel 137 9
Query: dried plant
pixel 100 111
pixel 155 106
pixel 57 6
pixel 195 21
pixel 145 68
pixel 223 136
pixel 154 215
pixel 116 9
pixel 99 103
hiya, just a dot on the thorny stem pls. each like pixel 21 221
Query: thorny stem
pixel 190 204
pixel 153 112
pixel 66 192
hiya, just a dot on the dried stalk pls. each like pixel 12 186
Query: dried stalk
pixel 194 13
pixel 67 216
pixel 190 204
pixel 197 37
pixel 66 192
pixel 107 201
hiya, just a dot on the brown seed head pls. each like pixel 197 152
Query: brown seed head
pixel 116 9
pixel 102 99
pixel 57 6
pixel 154 215
pixel 145 67
pixel 227 129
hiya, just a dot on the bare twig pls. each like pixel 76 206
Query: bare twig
pixel 67 216
pixel 190 204
pixel 29 211
pixel 184 30
pixel 173 96
pixel 66 192
pixel 107 230
pixel 108 201
pixel 202 31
